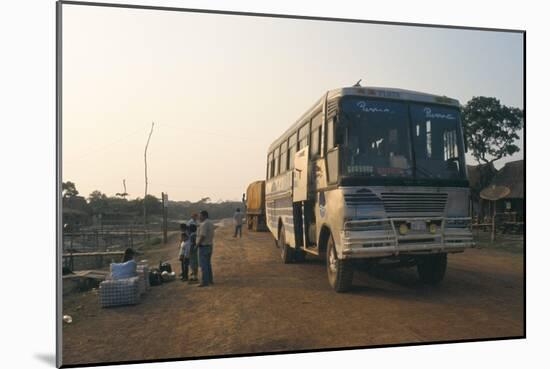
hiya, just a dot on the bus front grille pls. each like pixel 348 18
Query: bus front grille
pixel 363 198
pixel 414 202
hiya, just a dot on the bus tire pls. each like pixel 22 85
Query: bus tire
pixel 340 272
pixel 431 268
pixel 255 224
pixel 286 252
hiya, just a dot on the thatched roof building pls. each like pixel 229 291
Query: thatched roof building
pixel 479 177
pixel 511 176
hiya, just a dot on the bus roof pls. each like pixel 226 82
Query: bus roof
pixel 368 91
pixel 393 93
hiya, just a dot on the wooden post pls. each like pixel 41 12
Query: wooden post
pixel 493 231
pixel 146 180
pixel 164 219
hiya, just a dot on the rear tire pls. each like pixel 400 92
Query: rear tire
pixel 287 253
pixel 340 272
pixel 431 268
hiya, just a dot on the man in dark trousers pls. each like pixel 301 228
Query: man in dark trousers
pixel 238 221
pixel 205 240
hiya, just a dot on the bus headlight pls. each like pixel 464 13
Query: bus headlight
pixel 433 228
pixel 403 229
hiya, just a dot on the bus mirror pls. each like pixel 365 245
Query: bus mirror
pixel 465 143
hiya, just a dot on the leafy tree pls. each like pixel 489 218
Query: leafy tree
pixel 491 128
pixel 68 189
pixel 153 204
pixel 98 202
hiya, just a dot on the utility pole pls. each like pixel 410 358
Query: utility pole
pixel 146 182
pixel 164 217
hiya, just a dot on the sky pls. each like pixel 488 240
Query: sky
pixel 221 88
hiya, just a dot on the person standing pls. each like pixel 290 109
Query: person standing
pixel 205 240
pixel 193 219
pixel 193 254
pixel 183 234
pixel 185 251
pixel 238 221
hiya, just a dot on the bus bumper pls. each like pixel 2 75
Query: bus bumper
pixel 381 237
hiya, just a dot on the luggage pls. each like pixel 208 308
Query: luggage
pixel 123 270
pixel 165 266
pixel 117 292
pixel 155 278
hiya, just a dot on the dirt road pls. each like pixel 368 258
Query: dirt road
pixel 260 305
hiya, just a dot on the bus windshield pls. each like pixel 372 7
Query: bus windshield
pixel 437 145
pixel 377 142
pixel 382 137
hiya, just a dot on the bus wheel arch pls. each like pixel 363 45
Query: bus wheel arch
pixel 324 237
pixel 339 271
pixel 287 253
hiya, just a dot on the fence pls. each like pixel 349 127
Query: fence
pixel 105 240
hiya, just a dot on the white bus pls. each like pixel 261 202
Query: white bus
pixel 372 174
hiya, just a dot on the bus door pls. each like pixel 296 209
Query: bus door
pixel 300 192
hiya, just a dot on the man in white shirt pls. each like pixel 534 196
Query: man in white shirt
pixel 238 221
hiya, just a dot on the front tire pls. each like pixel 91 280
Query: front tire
pixel 340 272
pixel 286 252
pixel 431 268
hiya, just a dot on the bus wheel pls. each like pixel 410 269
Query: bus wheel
pixel 255 224
pixel 340 272
pixel 431 268
pixel 286 251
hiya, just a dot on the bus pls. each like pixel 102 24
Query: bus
pixel 371 176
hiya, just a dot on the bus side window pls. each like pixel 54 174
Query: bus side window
pixel 330 134
pixel 271 166
pixel 284 157
pixel 315 144
pixel 276 161
pixel 303 134
pixel 291 150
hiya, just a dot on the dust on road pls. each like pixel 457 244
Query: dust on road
pixel 259 304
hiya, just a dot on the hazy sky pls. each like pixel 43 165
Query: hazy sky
pixel 221 88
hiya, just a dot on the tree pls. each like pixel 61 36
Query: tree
pixel 68 189
pixel 491 128
pixel 152 204
pixel 98 202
